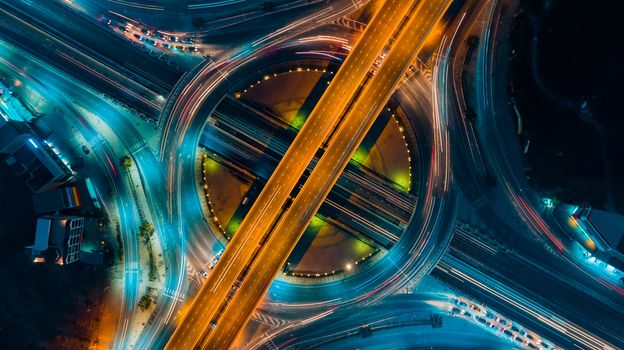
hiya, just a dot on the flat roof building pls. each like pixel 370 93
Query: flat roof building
pixel 59 199
pixel 58 239
pixel 65 239
pixel 606 231
pixel 31 159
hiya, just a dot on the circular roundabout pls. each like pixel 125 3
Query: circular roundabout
pixel 373 234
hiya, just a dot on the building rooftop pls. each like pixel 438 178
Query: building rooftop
pixel 42 234
pixel 610 226
pixel 58 239
pixel 56 200
pixel 30 159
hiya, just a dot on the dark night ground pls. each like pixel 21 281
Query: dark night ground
pixel 580 55
pixel 39 302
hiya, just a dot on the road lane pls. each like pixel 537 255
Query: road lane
pixel 269 204
pixel 338 153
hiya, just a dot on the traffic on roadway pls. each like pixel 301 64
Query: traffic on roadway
pixel 269 204
pixel 341 146
pixel 469 255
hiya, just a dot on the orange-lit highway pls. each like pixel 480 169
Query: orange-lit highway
pixel 367 161
pixel 323 119
pixel 342 145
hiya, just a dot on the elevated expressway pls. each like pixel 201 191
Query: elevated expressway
pixel 363 203
pixel 269 204
pixel 425 237
pixel 337 154
pixel 421 243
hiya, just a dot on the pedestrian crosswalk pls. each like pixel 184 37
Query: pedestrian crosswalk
pixel 96 141
pixel 351 24
pixel 137 147
pixel 480 202
pixel 170 294
pixel 270 321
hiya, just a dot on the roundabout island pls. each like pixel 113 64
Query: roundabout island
pixel 372 236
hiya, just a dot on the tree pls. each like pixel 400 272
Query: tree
pixel 125 162
pixel 146 229
pixel 145 302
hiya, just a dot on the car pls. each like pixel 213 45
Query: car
pixel 147 32
pixel 519 339
pixel 203 273
pixel 138 36
pixel 85 149
pixel 166 46
pixel 192 49
pixel 507 332
pixel 106 20
pixel 490 315
pixel 179 47
pixel 467 314
pixel 159 35
pixel 216 259
pixel 455 310
pixel 475 308
pixel 481 320
pixel 502 321
pixel 515 329
pixel 187 40
pixel 531 345
pixel 214 325
pixel 460 303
